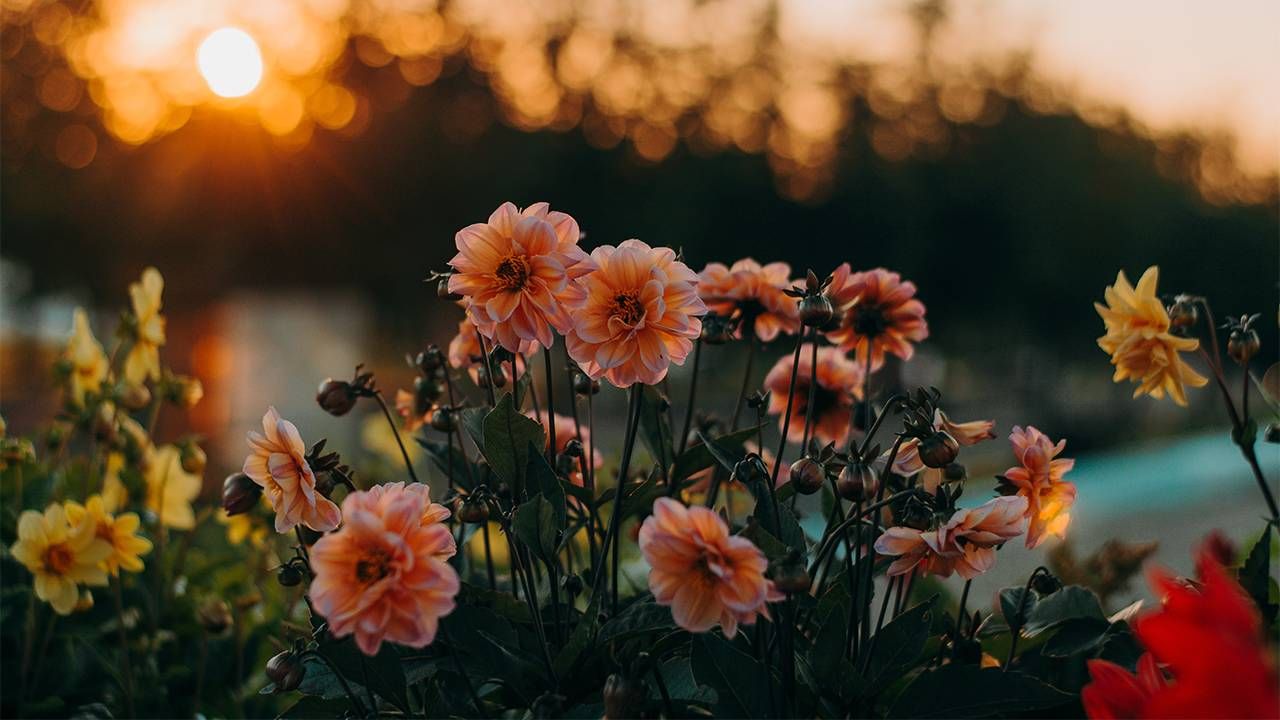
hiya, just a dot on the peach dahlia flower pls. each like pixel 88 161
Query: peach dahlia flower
pixel 839 384
pixel 277 462
pixel 908 461
pixel 384 575
pixel 705 575
pixel 1040 480
pixel 641 314
pixel 517 274
pixel 751 291
pixel 965 544
pixel 465 353
pixel 1139 342
pixel 878 312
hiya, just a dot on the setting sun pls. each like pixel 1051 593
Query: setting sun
pixel 230 62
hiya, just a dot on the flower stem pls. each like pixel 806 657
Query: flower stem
pixel 786 416
pixel 386 412
pixel 813 394
pixel 1015 623
pixel 611 534
pixel 746 375
pixel 551 411
pixel 488 368
pixel 346 687
pixel 693 394
pixel 127 664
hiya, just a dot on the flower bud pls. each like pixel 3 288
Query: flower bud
pixel 104 423
pixel 858 482
pixel 239 494
pixel 430 360
pixel 573 448
pixel 183 391
pixel 807 475
pixel 1243 344
pixel 289 576
pixel 336 397
pixel 214 616
pixel 1183 313
pixel 584 385
pixel 939 449
pixel 623 697
pixel 443 419
pixel 717 329
pixel 573 585
pixel 134 397
pixel 426 392
pixel 193 458
pixel 816 310
pixel 442 288
pixel 966 651
pixel 1046 584
pixel 286 670
pixel 750 471
pixel 473 511
pixel 85 602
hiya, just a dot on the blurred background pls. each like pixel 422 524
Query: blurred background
pixel 296 168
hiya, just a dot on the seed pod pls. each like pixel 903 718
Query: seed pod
pixel 442 288
pixel 134 397
pixel 816 310
pixel 1046 584
pixel 717 329
pixel 289 576
pixel 443 420
pixel 1183 313
pixel 807 475
pixel 336 397
pixel 790 575
pixel 623 697
pixel 473 511
pixel 584 385
pixel 1243 344
pixel 286 670
pixel 939 449
pixel 430 360
pixel 425 393
pixel 858 482
pixel 239 494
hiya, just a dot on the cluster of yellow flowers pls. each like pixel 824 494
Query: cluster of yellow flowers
pixel 69 545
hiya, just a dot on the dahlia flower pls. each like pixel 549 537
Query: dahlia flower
pixel 1139 342
pixel 517 274
pixel 641 313
pixel 839 385
pixel 278 463
pixel 60 555
pixel 88 361
pixel 908 462
pixel 878 314
pixel 1040 480
pixel 465 353
pixel 143 361
pixel 965 544
pixel 752 293
pixel 705 575
pixel 127 548
pixel 170 488
pixel 384 575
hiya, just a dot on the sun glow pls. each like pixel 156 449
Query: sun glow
pixel 230 62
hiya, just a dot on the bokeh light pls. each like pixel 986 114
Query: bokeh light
pixel 230 62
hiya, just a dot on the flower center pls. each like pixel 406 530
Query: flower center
pixel 512 273
pixel 105 532
pixel 375 565
pixel 58 559
pixel 627 308
pixel 868 321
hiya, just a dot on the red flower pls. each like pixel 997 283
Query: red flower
pixel 1209 638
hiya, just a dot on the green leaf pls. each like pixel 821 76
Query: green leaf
pixel 739 681
pixel 772 547
pixel 727 455
pixel 502 603
pixel 441 456
pixel 1070 603
pixel 384 672
pixel 1011 599
pixel 967 691
pixel 542 480
pixel 826 657
pixel 508 433
pixel 1077 636
pixel 655 427
pixel 698 457
pixel 534 523
pixel 637 619
pixel 898 645
pixel 1255 577
pixel 472 419
pixel 579 641
pixel 677 673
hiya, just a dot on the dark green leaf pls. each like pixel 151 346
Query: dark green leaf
pixel 1077 636
pixel 1070 603
pixel 677 673
pixel 447 461
pixel 534 523
pixel 639 618
pixel 772 547
pixel 698 457
pixel 898 645
pixel 1255 576
pixel 508 433
pixel 655 428
pixel 579 641
pixel 826 657
pixel 1015 606
pixel 967 691
pixel 472 419
pixel 542 480
pixel 739 681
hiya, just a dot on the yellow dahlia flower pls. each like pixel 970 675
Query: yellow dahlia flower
pixel 143 361
pixel 1138 339
pixel 170 489
pixel 60 555
pixel 87 360
pixel 126 547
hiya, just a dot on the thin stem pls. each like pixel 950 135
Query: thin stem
pixel 884 606
pixel 386 412
pixel 488 368
pixel 1246 446
pixel 813 394
pixel 457 429
pixel 488 558
pixel 750 334
pixel 961 614
pixel 127 665
pixel 551 411
pixel 786 416
pixel 693 394
pixel 633 412
pixel 346 687
pixel 1015 623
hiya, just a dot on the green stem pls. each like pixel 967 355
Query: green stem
pixel 386 412
pixel 693 394
pixel 127 663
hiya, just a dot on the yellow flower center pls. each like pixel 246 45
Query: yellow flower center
pixel 512 273
pixel 105 531
pixel 627 308
pixel 58 559
pixel 375 565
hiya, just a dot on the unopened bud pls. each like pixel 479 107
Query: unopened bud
pixel 816 310
pixel 584 385
pixel 286 670
pixel 240 494
pixel 858 482
pixel 426 391
pixel 442 288
pixel 336 397
pixel 430 360
pixel 938 449
pixel 134 397
pixel 193 458
pixel 1243 344
pixel 443 419
pixel 807 475
pixel 473 511
pixel 214 616
pixel 623 697
pixel 289 576
pixel 1183 313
